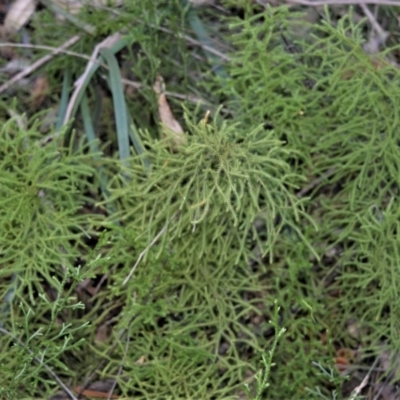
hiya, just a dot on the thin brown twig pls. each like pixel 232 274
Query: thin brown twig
pixel 144 252
pixel 44 47
pixel 357 390
pixel 195 42
pixel 188 97
pixel 119 372
pixel 315 182
pixel 63 386
pixel 37 64
pixel 375 24
pixel 183 36
pixel 79 83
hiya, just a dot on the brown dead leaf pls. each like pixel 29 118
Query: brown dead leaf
pixel 171 127
pixel 19 14
pixel 103 333
pixel 39 92
pixel 96 390
pixel 344 358
pixel 97 395
pixel 141 360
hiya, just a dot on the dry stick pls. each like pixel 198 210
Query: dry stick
pixel 186 37
pixel 382 386
pixel 357 390
pixel 315 182
pixel 375 24
pixel 143 253
pixel 372 46
pixel 318 3
pixel 43 47
pixel 40 362
pixel 194 42
pixel 120 337
pixel 37 64
pixel 114 385
pixel 109 41
pixel 188 97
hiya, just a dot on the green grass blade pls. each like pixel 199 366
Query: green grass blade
pixel 8 299
pixel 119 45
pixel 137 143
pixel 94 148
pixel 202 35
pixel 64 98
pixel 88 125
pixel 120 109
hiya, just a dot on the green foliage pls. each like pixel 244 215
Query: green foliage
pixel 224 177
pixel 42 192
pixel 27 361
pixel 333 378
pixel 212 233
pixel 262 376
pixel 335 105
pixel 188 332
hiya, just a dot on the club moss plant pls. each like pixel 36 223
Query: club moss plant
pixel 265 243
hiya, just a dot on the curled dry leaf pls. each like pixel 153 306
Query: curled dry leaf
pixel 19 14
pixel 170 124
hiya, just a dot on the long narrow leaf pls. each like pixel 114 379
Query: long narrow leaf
pixel 94 148
pixel 77 97
pixel 121 113
pixel 64 98
pixel 201 33
pixel 137 144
